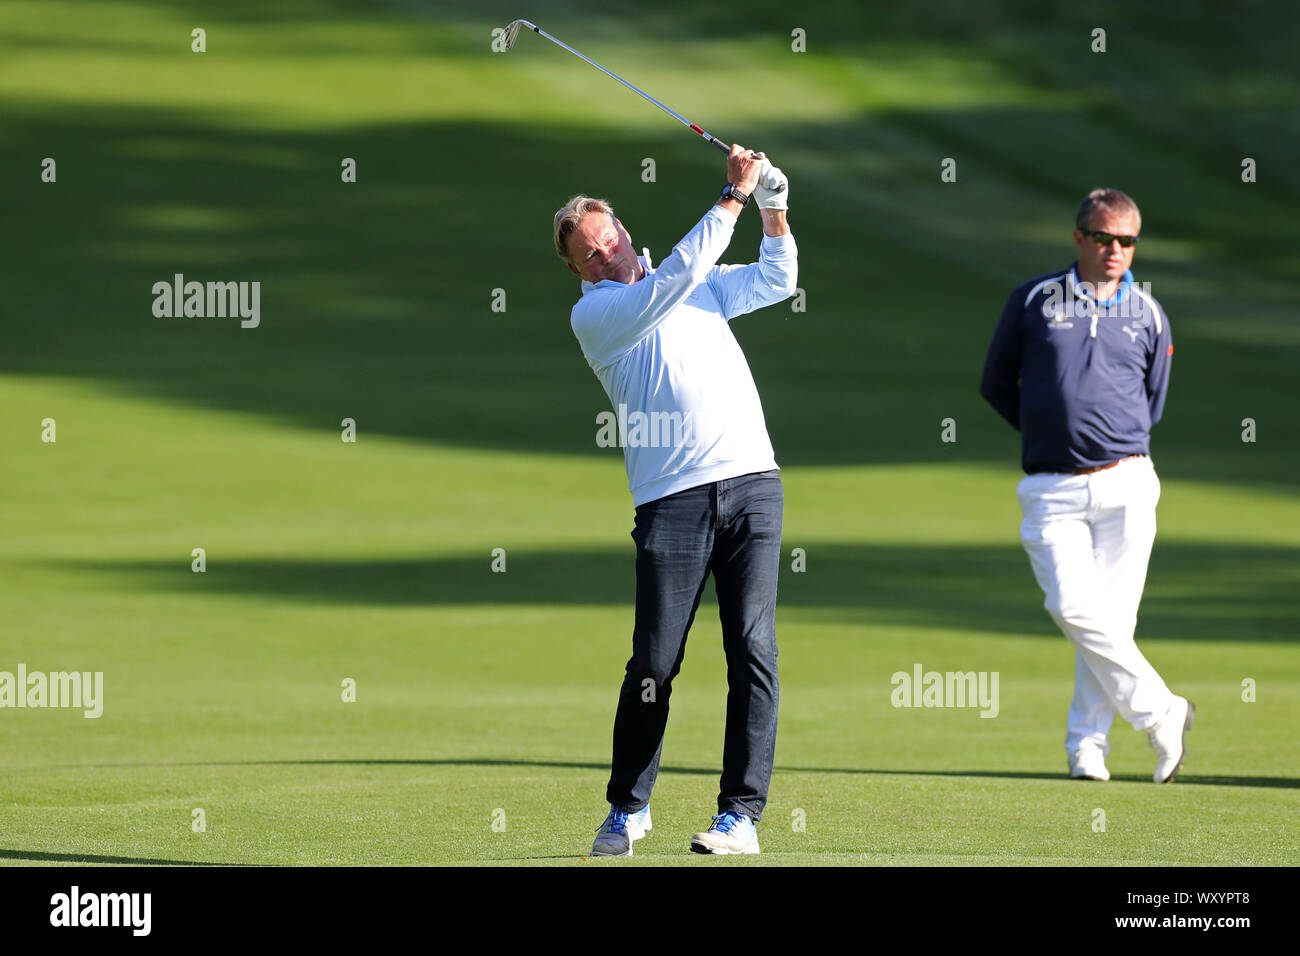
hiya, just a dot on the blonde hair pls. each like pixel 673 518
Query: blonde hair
pixel 1111 200
pixel 570 214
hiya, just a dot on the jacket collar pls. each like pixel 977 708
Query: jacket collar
pixel 1121 291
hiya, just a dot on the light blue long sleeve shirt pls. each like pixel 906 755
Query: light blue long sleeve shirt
pixel 688 410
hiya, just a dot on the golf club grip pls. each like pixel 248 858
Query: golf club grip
pixel 727 149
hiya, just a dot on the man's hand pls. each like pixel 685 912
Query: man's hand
pixel 773 188
pixel 743 169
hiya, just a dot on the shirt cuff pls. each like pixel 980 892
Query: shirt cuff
pixel 725 214
pixel 778 243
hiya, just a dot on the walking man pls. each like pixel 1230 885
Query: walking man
pixel 1079 364
pixel 703 479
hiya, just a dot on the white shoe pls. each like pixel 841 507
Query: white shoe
pixel 730 833
pixel 1168 738
pixel 620 830
pixel 1088 764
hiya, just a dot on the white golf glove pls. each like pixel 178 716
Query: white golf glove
pixel 773 190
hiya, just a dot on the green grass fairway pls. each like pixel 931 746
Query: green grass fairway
pixel 484 702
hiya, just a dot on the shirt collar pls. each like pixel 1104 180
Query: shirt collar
pixel 644 259
pixel 1121 291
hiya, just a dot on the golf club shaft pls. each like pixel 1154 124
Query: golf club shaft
pixel 726 148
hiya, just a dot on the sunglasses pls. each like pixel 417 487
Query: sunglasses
pixel 1106 238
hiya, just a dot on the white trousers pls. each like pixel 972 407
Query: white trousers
pixel 1089 539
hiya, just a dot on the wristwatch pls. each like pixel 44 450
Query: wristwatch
pixel 729 191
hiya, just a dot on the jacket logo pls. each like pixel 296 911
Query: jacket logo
pixel 1132 333
pixel 1056 319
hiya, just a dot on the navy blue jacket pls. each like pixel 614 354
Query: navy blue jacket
pixel 1083 381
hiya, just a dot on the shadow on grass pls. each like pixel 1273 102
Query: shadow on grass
pixel 1211 592
pixel 377 296
pixel 1289 783
pixel 36 856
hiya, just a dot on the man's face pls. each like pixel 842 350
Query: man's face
pixel 1108 263
pixel 600 248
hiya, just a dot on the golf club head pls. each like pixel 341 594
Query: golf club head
pixel 512 32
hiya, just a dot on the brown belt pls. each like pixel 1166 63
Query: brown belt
pixel 1089 471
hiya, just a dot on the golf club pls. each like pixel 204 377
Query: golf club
pixel 512 32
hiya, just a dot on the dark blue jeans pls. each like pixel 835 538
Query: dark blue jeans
pixel 731 528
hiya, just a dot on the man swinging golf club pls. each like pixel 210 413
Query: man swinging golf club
pixel 706 491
